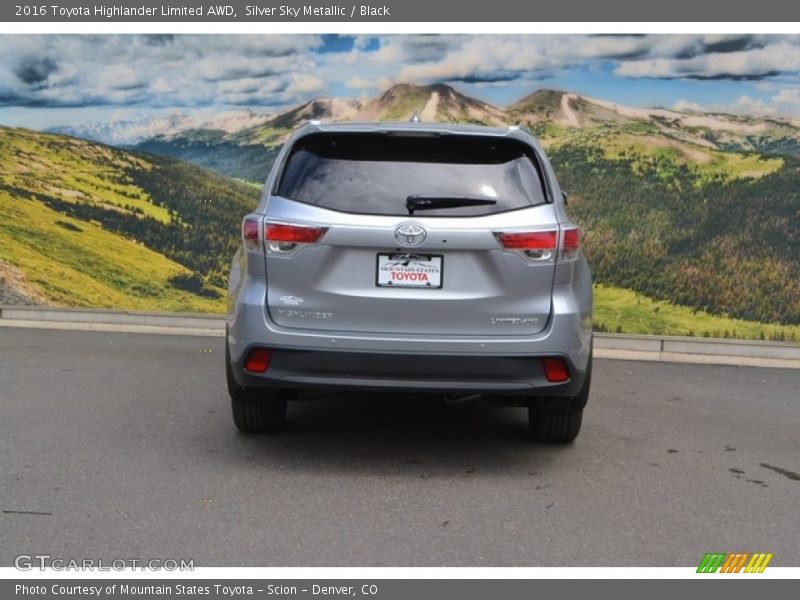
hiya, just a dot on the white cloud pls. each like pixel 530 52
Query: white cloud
pixel 787 96
pixel 360 83
pixel 484 57
pixel 686 105
pixel 746 105
pixel 188 70
pixel 122 77
pixel 781 57
pixel 787 101
pixel 303 83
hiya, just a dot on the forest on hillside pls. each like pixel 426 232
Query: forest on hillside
pixel 207 211
pixel 249 163
pixel 727 247
pixel 205 214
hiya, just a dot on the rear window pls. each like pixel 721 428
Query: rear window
pixel 374 173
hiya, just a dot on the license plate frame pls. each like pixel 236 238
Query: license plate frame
pixel 436 261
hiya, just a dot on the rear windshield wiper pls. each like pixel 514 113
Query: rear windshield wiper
pixel 422 202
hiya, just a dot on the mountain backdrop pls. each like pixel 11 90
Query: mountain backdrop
pixel 689 217
pixel 82 224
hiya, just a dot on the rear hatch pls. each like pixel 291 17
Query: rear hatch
pixel 410 234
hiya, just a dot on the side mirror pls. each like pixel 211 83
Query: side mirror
pixel 566 198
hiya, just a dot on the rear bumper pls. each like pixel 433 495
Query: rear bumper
pixel 309 359
pixel 568 332
pixel 325 369
pixel 501 364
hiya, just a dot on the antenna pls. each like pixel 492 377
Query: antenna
pixel 415 118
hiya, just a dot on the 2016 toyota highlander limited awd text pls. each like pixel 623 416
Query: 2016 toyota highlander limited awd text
pixel 410 256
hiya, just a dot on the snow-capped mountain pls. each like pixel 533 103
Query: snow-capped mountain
pixel 132 132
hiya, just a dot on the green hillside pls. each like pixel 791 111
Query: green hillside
pixel 618 310
pixel 727 245
pixel 249 162
pixel 88 225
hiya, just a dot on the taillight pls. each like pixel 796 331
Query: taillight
pixel 258 360
pixel 571 244
pixel 284 238
pixel 555 369
pixel 251 229
pixel 533 245
pixel 540 246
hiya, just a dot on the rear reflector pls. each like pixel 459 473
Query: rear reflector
pixel 258 360
pixel 572 243
pixel 531 240
pixel 555 369
pixel 250 229
pixel 294 234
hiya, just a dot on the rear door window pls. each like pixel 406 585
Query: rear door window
pixel 374 173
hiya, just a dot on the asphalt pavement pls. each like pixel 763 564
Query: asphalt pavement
pixel 116 445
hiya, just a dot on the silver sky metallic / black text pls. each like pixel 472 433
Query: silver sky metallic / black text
pixel 309 10
pixel 296 12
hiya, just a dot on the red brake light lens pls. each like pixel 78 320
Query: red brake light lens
pixel 294 234
pixel 258 360
pixel 532 240
pixel 555 369
pixel 572 238
pixel 532 246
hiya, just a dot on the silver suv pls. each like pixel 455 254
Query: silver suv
pixel 411 256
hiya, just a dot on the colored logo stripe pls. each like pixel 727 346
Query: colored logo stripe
pixel 733 563
pixel 758 563
pixel 711 562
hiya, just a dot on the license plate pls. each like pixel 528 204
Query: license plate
pixel 409 270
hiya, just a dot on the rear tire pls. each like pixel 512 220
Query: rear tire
pixel 254 410
pixel 560 425
pixel 258 411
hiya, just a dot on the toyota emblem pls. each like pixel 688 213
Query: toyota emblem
pixel 410 234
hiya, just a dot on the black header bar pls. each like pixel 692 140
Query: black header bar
pixel 387 11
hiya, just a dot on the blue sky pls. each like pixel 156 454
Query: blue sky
pixel 50 80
